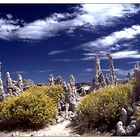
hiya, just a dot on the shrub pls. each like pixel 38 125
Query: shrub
pixel 104 105
pixel 28 108
pixel 54 91
pixel 133 81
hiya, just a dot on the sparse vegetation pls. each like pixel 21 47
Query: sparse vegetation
pixel 54 91
pixel 34 106
pixel 104 105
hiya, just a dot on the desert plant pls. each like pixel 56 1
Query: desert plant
pixel 133 81
pixel 105 104
pixel 28 108
pixel 54 91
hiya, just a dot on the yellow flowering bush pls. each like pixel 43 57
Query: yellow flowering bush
pixel 105 103
pixel 30 108
pixel 54 91
pixel 133 81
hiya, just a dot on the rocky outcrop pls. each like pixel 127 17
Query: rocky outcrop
pixel 113 79
pixel 101 81
pixel 2 93
pixel 99 76
pixel 120 129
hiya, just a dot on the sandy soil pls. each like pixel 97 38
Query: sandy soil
pixel 60 129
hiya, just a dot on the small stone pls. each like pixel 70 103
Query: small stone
pixel 16 134
pixel 123 117
pixel 60 120
pixel 129 110
pixel 120 129
pixel 77 135
pixel 132 118
pixel 131 129
pixel 138 134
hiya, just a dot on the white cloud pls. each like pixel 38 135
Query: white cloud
pixel 64 60
pixel 88 70
pixel 102 46
pixel 56 52
pixel 126 54
pixel 116 55
pixel 7 27
pixel 19 72
pixel 102 13
pixel 107 41
pixel 120 72
pixel 43 71
pixel 92 14
pixel 133 62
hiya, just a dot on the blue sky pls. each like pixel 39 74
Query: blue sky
pixel 62 39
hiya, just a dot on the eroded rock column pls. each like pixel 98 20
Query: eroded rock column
pixel 112 70
pixel 20 82
pixel 2 93
pixel 99 76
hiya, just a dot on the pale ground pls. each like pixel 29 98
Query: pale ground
pixel 60 129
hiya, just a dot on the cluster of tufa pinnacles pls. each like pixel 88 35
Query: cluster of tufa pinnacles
pixel 100 80
pixel 70 96
pixel 129 123
pixel 13 88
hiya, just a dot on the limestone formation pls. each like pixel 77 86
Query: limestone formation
pixel 20 82
pixel 2 93
pixel 112 70
pixel 83 91
pixel 131 129
pixel 99 76
pixel 64 85
pixel 70 97
pixel 59 80
pixel 72 80
pixel 51 80
pixel 136 68
pixel 120 129
pixel 136 88
pixel 9 83
pixel 72 84
pixel 123 117
pixel 108 79
pixel 13 88
pixel 67 110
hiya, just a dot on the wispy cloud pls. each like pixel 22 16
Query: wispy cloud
pixel 89 70
pixel 107 41
pixel 100 14
pixel 43 71
pixel 56 52
pixel 126 54
pixel 133 62
pixel 116 55
pixel 120 72
pixel 86 14
pixel 85 74
pixel 19 72
pixel 65 60
pixel 102 46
